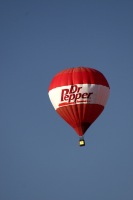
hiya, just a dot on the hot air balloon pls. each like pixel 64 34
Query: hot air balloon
pixel 79 95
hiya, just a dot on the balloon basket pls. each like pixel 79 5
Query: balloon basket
pixel 81 142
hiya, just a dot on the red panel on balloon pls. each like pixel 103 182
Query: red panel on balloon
pixel 80 116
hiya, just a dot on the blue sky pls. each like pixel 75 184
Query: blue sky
pixel 39 154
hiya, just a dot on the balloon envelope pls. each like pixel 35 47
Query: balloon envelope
pixel 79 96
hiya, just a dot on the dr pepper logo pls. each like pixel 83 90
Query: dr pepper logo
pixel 74 95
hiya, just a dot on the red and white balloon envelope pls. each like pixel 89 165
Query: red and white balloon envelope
pixel 79 96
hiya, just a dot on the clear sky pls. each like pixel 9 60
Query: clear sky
pixel 39 154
